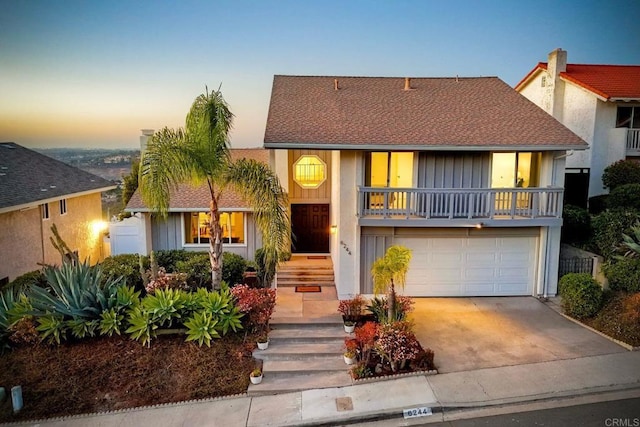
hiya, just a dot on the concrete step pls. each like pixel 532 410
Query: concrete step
pixel 274 384
pixel 305 267
pixel 284 368
pixel 300 351
pixel 297 273
pixel 293 322
pixel 306 334
pixel 289 283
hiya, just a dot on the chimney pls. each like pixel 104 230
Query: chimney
pixel 144 138
pixel 407 83
pixel 557 63
pixel 335 84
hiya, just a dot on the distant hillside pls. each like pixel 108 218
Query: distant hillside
pixel 106 163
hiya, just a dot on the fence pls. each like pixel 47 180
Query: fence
pixel 575 265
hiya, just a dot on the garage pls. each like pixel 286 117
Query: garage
pixel 466 262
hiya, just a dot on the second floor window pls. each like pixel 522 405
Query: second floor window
pixel 512 170
pixel 45 210
pixel 63 206
pixel 384 169
pixel 628 117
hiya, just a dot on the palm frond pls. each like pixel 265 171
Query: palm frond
pixel 260 187
pixel 166 163
pixel 394 265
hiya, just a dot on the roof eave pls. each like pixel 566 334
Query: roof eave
pixel 624 99
pixel 418 147
pixel 526 79
pixel 36 203
pixel 178 210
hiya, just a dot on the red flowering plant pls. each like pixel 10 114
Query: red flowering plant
pixel 397 344
pixel 366 339
pixel 258 304
pixel 352 309
pixel 352 347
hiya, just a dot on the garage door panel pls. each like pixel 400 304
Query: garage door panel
pixel 479 266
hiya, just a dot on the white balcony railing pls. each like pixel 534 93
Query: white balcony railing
pixel 633 140
pixel 467 203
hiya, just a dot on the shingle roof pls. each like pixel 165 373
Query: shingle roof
pixel 189 198
pixel 607 81
pixel 28 177
pixel 436 113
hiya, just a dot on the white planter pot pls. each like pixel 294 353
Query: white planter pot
pixel 349 329
pixel 263 345
pixel 256 380
pixel 349 360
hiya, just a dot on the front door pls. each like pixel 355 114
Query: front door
pixel 310 228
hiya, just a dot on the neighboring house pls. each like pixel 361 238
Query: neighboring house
pixel 601 104
pixel 186 224
pixel 464 171
pixel 36 192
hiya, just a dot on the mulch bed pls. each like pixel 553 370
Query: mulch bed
pixel 104 374
pixel 614 319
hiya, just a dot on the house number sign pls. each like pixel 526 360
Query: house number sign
pixel 423 411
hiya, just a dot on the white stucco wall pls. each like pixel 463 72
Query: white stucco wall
pixel 609 145
pixel 579 114
pixel 347 254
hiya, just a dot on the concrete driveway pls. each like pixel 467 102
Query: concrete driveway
pixel 488 332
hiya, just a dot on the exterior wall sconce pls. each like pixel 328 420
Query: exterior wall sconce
pixel 334 229
pixel 479 225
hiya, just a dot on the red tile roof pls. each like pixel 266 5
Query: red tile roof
pixel 607 81
pixel 436 113
pixel 190 198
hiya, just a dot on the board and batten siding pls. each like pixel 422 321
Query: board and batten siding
pixel 167 234
pixel 322 194
pixel 454 170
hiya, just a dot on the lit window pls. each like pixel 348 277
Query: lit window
pixel 63 206
pixel 45 210
pixel 309 172
pixel 196 227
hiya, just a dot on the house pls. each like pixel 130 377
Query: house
pixel 601 104
pixel 186 224
pixel 37 192
pixel 464 171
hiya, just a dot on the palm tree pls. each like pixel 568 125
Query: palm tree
pixel 200 153
pixel 387 271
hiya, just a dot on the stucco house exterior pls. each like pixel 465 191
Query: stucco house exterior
pixel 466 172
pixel 186 224
pixel 600 103
pixel 36 192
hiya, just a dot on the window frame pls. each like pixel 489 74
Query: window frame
pixel 45 214
pixel 186 244
pixel 63 206
pixel 323 164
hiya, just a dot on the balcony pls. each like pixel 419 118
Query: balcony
pixel 427 207
pixel 633 142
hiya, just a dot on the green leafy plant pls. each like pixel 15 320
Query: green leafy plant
pixel 82 328
pixel 378 306
pixel 52 328
pixel 198 270
pixel 623 274
pixel 388 270
pixel 631 242
pixel 111 322
pixel 23 282
pixel 74 291
pixel 352 309
pixel 576 225
pixel 126 266
pixel 202 328
pixel 164 306
pixel 626 196
pixel 620 173
pixel 233 265
pixel 141 326
pixel 608 228
pixel 581 295
pixel 221 305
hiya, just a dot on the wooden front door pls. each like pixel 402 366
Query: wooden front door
pixel 310 228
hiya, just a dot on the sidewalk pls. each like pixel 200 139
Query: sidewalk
pixel 386 399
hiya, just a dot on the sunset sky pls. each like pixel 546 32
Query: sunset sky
pixel 93 73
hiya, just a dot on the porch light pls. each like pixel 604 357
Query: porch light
pixel 309 172
pixel 334 229
pixel 479 225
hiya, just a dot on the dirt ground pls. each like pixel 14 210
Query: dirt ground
pixel 105 374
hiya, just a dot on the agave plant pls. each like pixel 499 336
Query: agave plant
pixel 632 243
pixel 75 292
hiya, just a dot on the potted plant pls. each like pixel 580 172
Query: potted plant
pixel 349 326
pixel 256 376
pixel 351 310
pixel 349 357
pixel 263 341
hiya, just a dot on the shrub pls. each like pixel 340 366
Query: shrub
pixel 397 344
pixel 581 295
pixel 378 307
pixel 164 281
pixel 576 226
pixel 625 196
pixel 366 338
pixel 257 304
pixel 169 258
pixel 352 309
pixel 233 265
pixel 623 274
pixel 608 228
pixel 127 266
pixel 620 173
pixel 598 204
pixel 631 308
pixel 24 281
pixel 198 270
pixel 265 272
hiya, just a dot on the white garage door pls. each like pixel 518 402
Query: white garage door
pixel 470 266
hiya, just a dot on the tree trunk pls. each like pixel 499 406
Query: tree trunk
pixel 391 310
pixel 215 245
